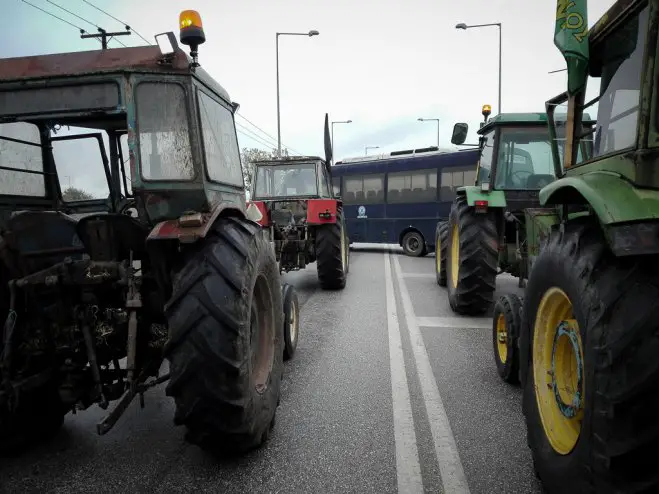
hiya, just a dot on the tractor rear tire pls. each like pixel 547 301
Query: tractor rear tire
pixel 226 339
pixel 39 416
pixel 506 326
pixel 441 239
pixel 332 254
pixel 613 319
pixel 472 237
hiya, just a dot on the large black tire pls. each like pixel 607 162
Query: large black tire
pixel 506 326
pixel 332 254
pixel 614 304
pixel 471 290
pixel 39 416
pixel 226 304
pixel 441 239
pixel 291 320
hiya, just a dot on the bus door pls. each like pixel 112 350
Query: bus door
pixel 364 208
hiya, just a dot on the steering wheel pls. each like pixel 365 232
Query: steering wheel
pixel 518 172
pixel 128 207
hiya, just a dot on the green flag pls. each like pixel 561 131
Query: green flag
pixel 571 38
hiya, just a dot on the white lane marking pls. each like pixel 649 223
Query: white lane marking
pixel 408 469
pixel 454 322
pixel 419 275
pixel 448 458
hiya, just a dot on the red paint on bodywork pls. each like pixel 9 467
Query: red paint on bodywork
pixel 263 209
pixel 316 208
pixel 174 230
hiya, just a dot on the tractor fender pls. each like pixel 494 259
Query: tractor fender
pixel 189 228
pixel 612 198
pixel 494 198
pixel 322 211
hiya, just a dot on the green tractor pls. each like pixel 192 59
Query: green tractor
pixel 588 330
pixel 485 234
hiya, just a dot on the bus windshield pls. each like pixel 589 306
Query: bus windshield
pixel 286 180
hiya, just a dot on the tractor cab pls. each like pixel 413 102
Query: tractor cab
pixel 141 129
pixel 291 178
pixel 516 155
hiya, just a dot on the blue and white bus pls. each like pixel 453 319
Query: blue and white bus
pixel 398 198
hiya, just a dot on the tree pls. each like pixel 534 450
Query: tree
pixel 249 155
pixel 73 194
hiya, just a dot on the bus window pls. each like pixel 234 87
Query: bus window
pixel 453 178
pixel 414 186
pixel 336 185
pixel 364 189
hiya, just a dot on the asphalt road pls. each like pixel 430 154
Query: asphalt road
pixel 388 392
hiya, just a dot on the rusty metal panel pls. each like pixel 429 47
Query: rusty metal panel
pixel 86 62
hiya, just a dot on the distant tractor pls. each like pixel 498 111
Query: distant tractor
pixel 486 233
pixel 303 219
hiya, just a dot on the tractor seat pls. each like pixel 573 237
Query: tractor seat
pixel 539 181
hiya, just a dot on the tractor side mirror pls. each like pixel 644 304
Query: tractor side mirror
pixel 460 131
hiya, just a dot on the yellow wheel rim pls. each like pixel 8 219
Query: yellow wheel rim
pixel 558 370
pixel 455 256
pixel 502 339
pixel 438 255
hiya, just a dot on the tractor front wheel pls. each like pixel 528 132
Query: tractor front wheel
pixel 225 345
pixel 472 259
pixel 588 351
pixel 441 237
pixel 506 325
pixel 332 253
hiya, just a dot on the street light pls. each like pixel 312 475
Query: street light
pixel 337 122
pixel 462 25
pixel 311 33
pixel 431 120
pixel 369 147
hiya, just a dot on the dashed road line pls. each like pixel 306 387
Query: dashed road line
pixel 450 467
pixel 408 469
pixel 454 322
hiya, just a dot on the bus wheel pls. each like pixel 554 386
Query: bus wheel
pixel 472 259
pixel 413 244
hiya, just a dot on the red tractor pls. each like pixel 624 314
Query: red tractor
pixel 292 198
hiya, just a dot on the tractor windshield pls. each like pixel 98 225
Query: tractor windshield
pixel 524 159
pixel 286 180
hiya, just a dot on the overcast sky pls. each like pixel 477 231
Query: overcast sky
pixel 382 64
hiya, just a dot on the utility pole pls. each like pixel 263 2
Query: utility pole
pixel 104 36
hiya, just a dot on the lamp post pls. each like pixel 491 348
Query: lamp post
pixel 311 33
pixel 432 120
pixel 369 147
pixel 464 26
pixel 337 122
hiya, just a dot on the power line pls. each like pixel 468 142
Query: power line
pixel 256 126
pixel 263 140
pixel 251 132
pixel 87 21
pixel 118 20
pixel 83 32
pixel 53 15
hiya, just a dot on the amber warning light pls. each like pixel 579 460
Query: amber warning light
pixel 487 109
pixel 192 29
